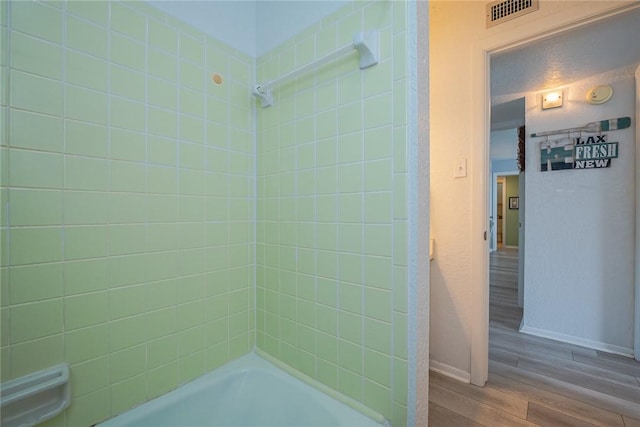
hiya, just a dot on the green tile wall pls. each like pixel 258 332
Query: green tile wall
pixel 331 275
pixel 128 201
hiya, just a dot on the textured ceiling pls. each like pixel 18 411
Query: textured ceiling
pixel 589 50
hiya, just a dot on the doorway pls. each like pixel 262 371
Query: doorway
pixel 489 54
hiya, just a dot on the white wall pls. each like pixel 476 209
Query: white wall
pixel 459 46
pixel 253 27
pixel 580 246
pixel 504 144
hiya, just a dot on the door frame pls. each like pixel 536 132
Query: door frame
pixel 493 201
pixel 480 51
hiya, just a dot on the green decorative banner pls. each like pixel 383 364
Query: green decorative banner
pixel 593 152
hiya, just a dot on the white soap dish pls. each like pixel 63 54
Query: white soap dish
pixel 34 398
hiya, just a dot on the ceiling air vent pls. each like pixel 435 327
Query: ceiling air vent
pixel 503 10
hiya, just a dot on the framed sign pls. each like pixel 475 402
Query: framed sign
pixel 514 202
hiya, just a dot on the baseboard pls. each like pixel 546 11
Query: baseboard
pixel 583 342
pixel 450 371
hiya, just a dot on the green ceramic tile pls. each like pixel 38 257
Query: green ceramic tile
pixel 161 265
pixel 36 320
pixel 87 71
pixel 350 238
pixel 127 114
pixel 161 64
pixel 126 270
pixel 191 155
pixel 36 282
pixel 400 49
pixel 349 383
pixel 128 145
pixel 191 366
pixel 162 180
pixel 377 208
pixel 161 150
pixel 378 272
pixel 85 344
pixel 127 332
pixel 36 94
pixel 378 143
pixel 378 396
pixel 86 310
pixel 377 367
pixel 127 176
pixel 190 261
pixel 128 393
pixel 128 83
pixel 400 204
pixel 162 351
pixel 127 363
pixel 191 49
pixel 191 129
pixel 350 327
pixel 191 76
pixel 378 304
pixel 162 380
pixel 400 335
pixel 161 323
pixel 90 408
pixel 190 235
pixel 86 173
pixel 163 36
pixel 36 355
pixel 378 240
pixel 239 70
pixel 400 299
pixel 126 301
pixel 38 20
pixel 128 21
pixel 126 208
pixel 126 239
pixel 96 11
pixel 400 246
pixel 377 336
pixel 191 182
pixel 86 139
pixel 162 208
pixel 378 111
pixel 36 56
pixel 127 52
pixel 190 341
pixel 86 37
pixel 89 376
pixel 84 208
pixel 400 102
pixel 191 103
pixel 85 276
pixel 85 242
pixel 162 93
pixel 162 122
pixel 34 245
pixel 399 16
pixel 86 105
pixel 162 237
pixel 26 207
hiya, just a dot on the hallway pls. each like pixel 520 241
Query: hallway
pixel 536 381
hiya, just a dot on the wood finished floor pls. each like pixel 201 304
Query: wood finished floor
pixel 535 381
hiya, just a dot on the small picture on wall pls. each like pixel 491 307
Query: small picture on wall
pixel 514 202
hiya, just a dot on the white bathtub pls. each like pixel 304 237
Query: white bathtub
pixel 248 391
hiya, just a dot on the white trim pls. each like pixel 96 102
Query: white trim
pixel 450 371
pixel 583 342
pixel 636 333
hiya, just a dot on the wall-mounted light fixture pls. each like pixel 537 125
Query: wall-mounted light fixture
pixel 552 99
pixel 599 94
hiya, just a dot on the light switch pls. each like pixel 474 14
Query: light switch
pixel 460 168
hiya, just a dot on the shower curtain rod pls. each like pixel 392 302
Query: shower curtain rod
pixel 366 43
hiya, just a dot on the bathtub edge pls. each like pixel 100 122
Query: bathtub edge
pixel 350 402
